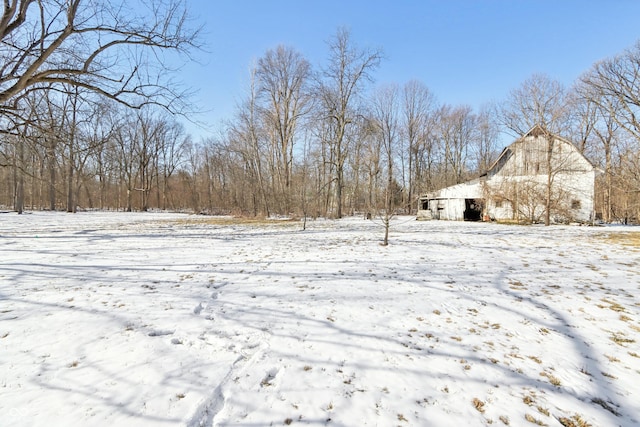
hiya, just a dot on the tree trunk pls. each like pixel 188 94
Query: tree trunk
pixel 547 213
pixel 70 199
pixel 71 205
pixel 339 186
pixel 19 177
pixel 51 165
pixel 608 184
pixel 389 197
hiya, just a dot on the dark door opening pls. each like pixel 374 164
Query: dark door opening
pixel 473 209
pixel 424 204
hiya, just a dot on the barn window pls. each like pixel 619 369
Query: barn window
pixel 575 204
pixel 497 203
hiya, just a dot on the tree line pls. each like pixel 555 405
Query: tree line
pixel 305 140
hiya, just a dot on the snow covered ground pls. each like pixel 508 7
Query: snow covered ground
pixel 113 319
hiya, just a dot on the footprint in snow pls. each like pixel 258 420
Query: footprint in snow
pixel 160 332
pixel 198 308
pixel 268 380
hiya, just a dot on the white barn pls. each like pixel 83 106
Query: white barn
pixel 516 186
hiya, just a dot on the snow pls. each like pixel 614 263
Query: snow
pixel 168 319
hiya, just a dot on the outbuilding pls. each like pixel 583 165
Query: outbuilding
pixel 539 169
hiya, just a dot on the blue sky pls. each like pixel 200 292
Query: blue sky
pixel 466 51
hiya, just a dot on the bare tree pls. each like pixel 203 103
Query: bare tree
pixel 538 101
pixel 371 153
pixel 385 115
pixel 615 88
pixel 597 123
pixel 282 78
pixel 246 138
pixel 418 105
pixel 72 135
pixel 340 87
pixel 617 79
pixel 103 47
pixel 68 49
pixel 171 145
pixel 125 136
pixel 457 132
pixel 486 144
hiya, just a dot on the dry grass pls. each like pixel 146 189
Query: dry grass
pixel 533 420
pixel 233 220
pixel 543 410
pixel 535 359
pixel 626 238
pixel 612 359
pixel 516 285
pixel 575 421
pixel 478 404
pixel 552 379
pixel 620 338
pixel 612 305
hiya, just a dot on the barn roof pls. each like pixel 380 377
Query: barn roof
pixel 536 131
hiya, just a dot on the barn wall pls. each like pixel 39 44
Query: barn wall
pixel 447 209
pixel 580 187
pixel 449 203
pixel 569 188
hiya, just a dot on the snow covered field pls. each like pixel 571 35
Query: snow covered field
pixel 113 319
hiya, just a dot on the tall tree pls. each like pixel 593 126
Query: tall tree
pixel 417 108
pixel 246 138
pixel 597 124
pixel 340 88
pixel 282 79
pixel 616 88
pixel 457 133
pixel 171 145
pixel 487 132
